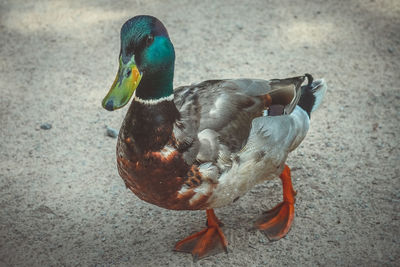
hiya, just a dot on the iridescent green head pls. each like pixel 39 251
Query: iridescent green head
pixel 146 63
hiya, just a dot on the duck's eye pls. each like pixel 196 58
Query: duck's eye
pixel 149 40
pixel 128 73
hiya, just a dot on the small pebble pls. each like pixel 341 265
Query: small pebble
pixel 112 132
pixel 328 144
pixel 45 126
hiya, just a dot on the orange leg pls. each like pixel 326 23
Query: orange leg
pixel 207 242
pixel 276 222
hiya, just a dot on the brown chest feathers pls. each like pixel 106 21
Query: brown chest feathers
pixel 154 176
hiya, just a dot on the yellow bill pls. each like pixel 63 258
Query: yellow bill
pixel 126 82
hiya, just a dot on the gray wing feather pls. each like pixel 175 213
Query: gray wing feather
pixel 217 115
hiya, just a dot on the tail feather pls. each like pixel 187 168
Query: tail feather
pixel 319 89
pixel 312 94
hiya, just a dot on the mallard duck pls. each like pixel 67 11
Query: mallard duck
pixel 203 146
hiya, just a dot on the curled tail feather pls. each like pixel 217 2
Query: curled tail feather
pixel 312 94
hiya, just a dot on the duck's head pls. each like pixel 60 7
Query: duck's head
pixel 146 63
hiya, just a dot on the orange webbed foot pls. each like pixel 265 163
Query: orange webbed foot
pixel 276 222
pixel 207 242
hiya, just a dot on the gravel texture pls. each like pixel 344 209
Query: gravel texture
pixel 61 199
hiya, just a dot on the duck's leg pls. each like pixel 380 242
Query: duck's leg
pixel 207 242
pixel 276 222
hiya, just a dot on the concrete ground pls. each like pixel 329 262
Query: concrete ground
pixel 62 202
